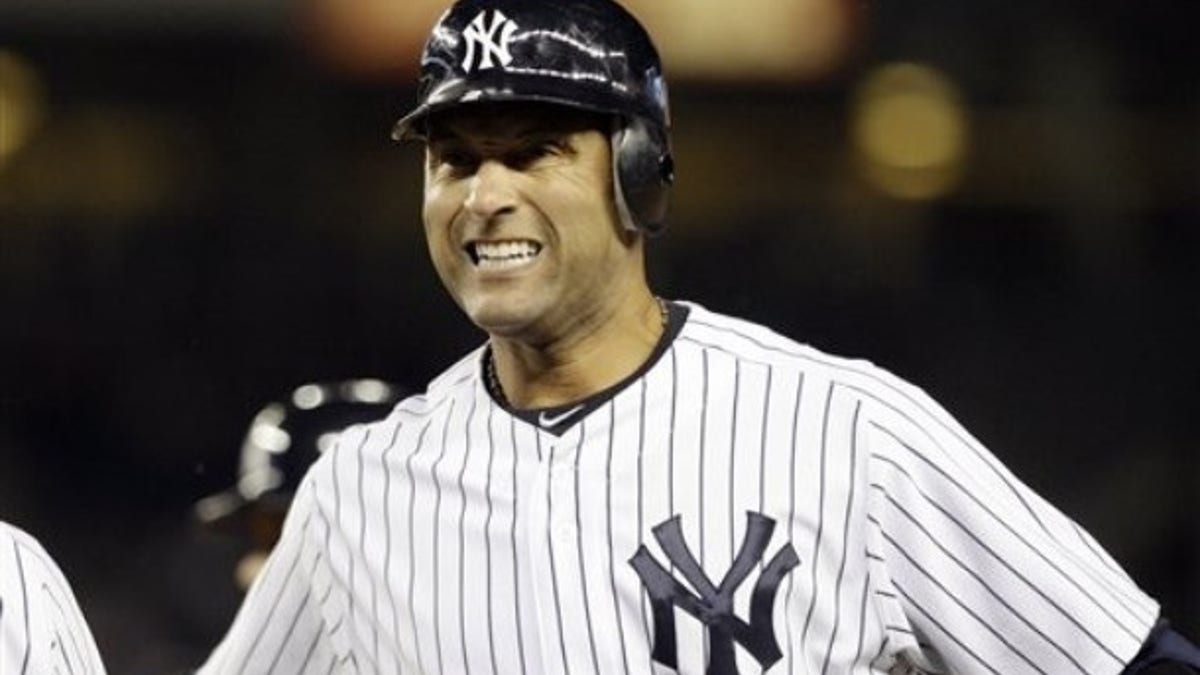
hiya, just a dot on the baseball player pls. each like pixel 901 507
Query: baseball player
pixel 619 483
pixel 42 630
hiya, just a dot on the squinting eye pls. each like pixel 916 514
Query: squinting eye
pixel 531 154
pixel 458 160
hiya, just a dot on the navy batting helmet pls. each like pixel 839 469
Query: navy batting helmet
pixel 285 437
pixel 586 54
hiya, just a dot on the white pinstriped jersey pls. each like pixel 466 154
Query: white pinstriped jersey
pixel 743 504
pixel 42 630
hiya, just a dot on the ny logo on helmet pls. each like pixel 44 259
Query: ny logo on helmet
pixel 487 41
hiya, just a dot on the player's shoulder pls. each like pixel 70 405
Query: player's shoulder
pixel 33 555
pixel 11 535
pixel 750 341
pixel 374 437
pixel 460 377
pixel 753 342
pixel 457 381
pixel 463 375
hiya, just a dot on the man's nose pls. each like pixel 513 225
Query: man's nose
pixel 491 191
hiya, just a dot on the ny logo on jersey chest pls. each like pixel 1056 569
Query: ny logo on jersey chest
pixel 488 41
pixel 714 606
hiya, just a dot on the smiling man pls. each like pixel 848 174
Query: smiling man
pixel 524 231
pixel 618 483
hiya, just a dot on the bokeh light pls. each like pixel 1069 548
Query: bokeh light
pixel 763 40
pixel 308 396
pixel 910 131
pixel 759 40
pixel 22 104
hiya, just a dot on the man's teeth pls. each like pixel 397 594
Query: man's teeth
pixel 505 252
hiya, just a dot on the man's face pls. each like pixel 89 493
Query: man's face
pixel 520 220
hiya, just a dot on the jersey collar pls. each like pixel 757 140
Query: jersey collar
pixel 558 419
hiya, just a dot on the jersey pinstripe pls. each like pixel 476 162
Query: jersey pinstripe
pixel 41 627
pixel 745 504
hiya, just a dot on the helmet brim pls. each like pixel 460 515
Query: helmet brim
pixel 511 89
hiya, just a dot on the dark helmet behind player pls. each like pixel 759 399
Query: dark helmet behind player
pixel 285 437
pixel 586 54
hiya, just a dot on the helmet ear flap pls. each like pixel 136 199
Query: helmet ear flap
pixel 643 171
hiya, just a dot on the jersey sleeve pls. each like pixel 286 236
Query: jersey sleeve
pixel 42 629
pixel 280 626
pixel 973 571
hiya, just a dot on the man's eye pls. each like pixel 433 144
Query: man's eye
pixel 527 156
pixel 458 160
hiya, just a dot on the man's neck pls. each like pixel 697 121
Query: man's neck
pixel 593 358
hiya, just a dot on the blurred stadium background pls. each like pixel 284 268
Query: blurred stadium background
pixel 200 208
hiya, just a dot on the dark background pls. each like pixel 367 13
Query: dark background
pixel 208 214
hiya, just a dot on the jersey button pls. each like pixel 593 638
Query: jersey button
pixel 564 533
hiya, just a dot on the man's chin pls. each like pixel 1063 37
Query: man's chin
pixel 508 324
pixel 530 329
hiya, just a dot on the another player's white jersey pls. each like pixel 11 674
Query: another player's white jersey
pixel 743 504
pixel 41 628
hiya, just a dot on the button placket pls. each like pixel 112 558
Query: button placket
pixel 536 550
pixel 562 483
